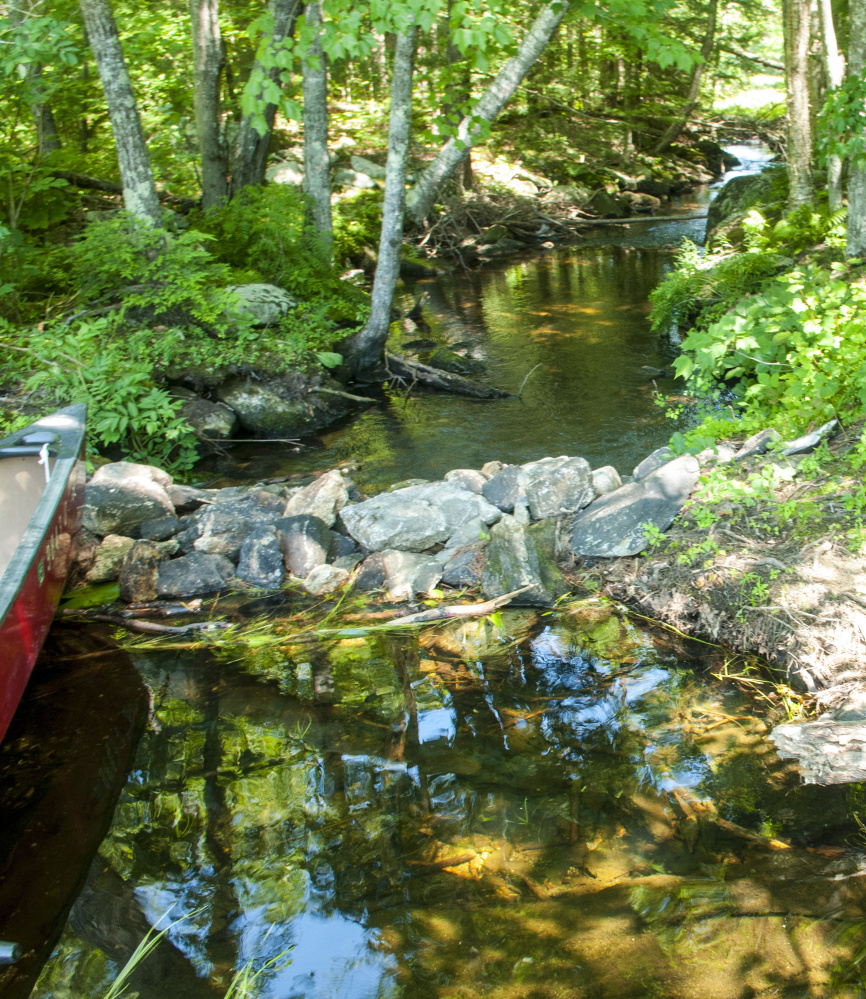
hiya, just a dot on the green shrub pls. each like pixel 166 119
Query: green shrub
pixel 82 363
pixel 797 349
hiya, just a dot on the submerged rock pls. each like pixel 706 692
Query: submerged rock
pixel 615 524
pixel 415 518
pixel 192 575
pixel 519 556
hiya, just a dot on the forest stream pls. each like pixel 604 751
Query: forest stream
pixel 534 805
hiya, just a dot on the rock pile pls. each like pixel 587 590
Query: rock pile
pixel 500 528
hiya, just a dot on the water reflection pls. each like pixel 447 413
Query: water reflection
pixel 542 808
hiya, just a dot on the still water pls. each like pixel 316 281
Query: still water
pixel 532 806
pixel 522 807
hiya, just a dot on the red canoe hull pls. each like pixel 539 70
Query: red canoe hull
pixel 38 589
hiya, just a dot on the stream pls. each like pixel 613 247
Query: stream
pixel 531 806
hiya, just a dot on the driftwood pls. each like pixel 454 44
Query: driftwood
pixel 462 610
pixel 150 627
pixel 343 395
pixel 639 218
pixel 445 381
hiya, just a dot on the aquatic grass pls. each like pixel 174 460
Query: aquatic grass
pixel 148 944
pixel 241 986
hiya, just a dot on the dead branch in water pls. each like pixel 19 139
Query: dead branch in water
pixel 445 381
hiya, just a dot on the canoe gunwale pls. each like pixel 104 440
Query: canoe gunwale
pixel 67 428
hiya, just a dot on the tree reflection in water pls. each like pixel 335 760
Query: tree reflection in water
pixel 538 807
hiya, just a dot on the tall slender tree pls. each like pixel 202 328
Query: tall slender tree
pixel 208 62
pixel 136 175
pixel 367 346
pixel 856 235
pixel 494 99
pixel 672 133
pixel 795 24
pixel 834 67
pixel 250 152
pixel 317 166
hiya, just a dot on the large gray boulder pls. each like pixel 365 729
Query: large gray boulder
pixel 304 542
pixel 417 517
pixel 289 172
pixel 192 575
pixel 362 165
pixel 742 193
pixel 118 500
pixel 262 304
pixel 261 560
pixel 324 498
pixel 463 567
pixel 519 555
pixel 263 409
pixel 556 486
pixel 614 525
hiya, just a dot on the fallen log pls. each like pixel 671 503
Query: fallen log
pixel 88 183
pixel 462 610
pixel 445 381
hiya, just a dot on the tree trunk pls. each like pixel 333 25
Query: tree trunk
pixel 492 102
pixel 250 153
pixel 317 167
pixel 834 66
pixel 208 60
pixel 139 189
pixel 856 236
pixel 367 346
pixel 47 139
pixel 673 132
pixel 795 22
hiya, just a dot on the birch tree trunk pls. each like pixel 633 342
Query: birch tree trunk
pixel 139 190
pixel 673 132
pixel 317 167
pixel 208 60
pixel 250 153
pixel 795 22
pixel 856 235
pixel 367 346
pixel 494 99
pixel 834 66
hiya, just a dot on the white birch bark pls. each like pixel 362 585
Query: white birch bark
pixel 795 22
pixel 494 99
pixel 834 65
pixel 139 190
pixel 856 235
pixel 208 62
pixel 367 346
pixel 317 167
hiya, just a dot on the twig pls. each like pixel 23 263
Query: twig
pixel 345 395
pixel 526 379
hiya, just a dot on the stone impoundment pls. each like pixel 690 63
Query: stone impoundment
pixel 500 528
